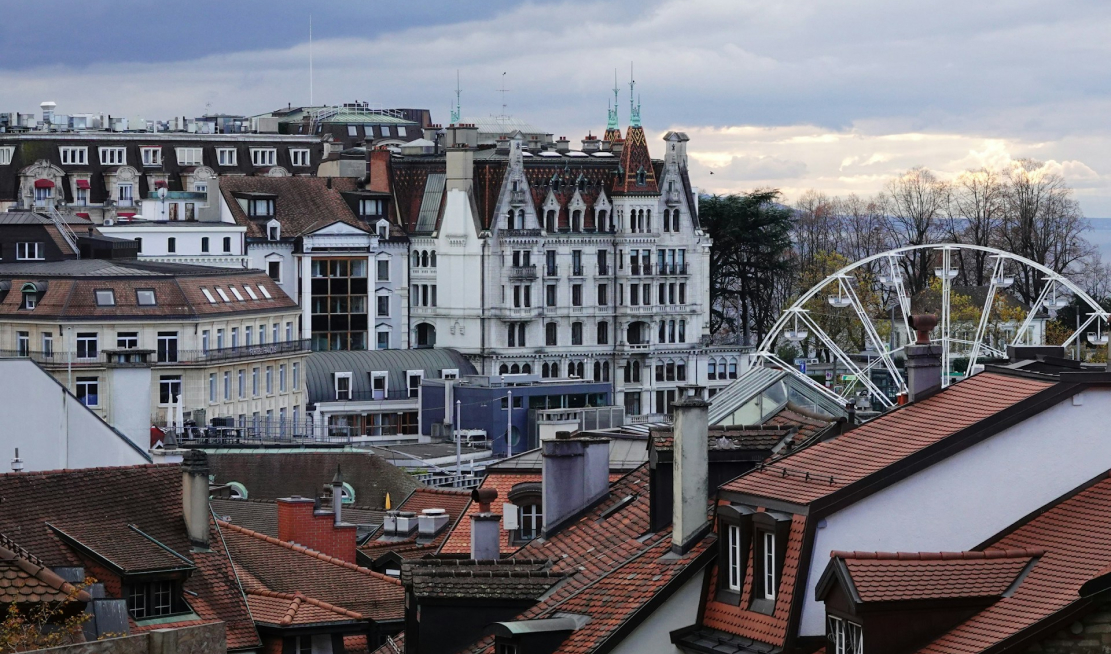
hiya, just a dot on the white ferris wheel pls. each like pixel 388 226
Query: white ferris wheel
pixel 958 339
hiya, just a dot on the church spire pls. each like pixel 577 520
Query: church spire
pixel 457 110
pixel 634 109
pixel 613 129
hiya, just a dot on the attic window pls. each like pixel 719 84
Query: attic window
pixel 257 208
pixel 145 297
pixel 105 298
pixel 250 292
pixel 30 296
pixel 845 637
pixel 265 293
pixel 222 294
pixel 208 295
pixel 343 386
pixel 642 177
pixel 273 230
pixel 236 293
pixel 771 530
pixel 370 207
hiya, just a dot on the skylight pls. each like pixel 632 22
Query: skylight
pixel 222 294
pixel 250 291
pixel 105 298
pixel 208 295
pixel 236 293
pixel 265 292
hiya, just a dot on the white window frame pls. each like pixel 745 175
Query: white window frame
pixel 227 385
pixel 222 294
pixel 24 251
pixel 6 153
pixel 212 388
pixel 736 569
pixel 769 565
pixel 265 293
pixel 189 156
pixel 281 378
pixel 375 375
pixel 296 376
pixel 299 157
pixel 449 373
pixel 264 156
pixel 74 156
pixel 151 155
pixel 87 382
pixel 208 296
pixel 378 339
pixel 347 391
pixel 377 269
pixel 226 157
pixel 409 375
pixel 113 156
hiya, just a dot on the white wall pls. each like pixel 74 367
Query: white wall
pixel 971 496
pixel 680 610
pixel 51 428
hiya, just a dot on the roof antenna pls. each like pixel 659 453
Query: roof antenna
pixel 504 116
pixel 310 60
pixel 612 123
pixel 457 111
pixel 634 109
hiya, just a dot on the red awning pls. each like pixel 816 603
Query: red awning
pixel 159 184
pixel 82 183
pixel 126 215
pixel 44 183
pixel 82 215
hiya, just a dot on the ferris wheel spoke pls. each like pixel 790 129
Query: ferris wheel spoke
pixel 1084 325
pixel 985 313
pixel 874 337
pixel 1032 313
pixel 801 376
pixel 901 294
pixel 844 359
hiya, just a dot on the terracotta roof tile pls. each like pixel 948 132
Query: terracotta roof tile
pixel 283 567
pixel 24 578
pixel 1076 537
pixel 889 577
pixel 452 501
pixel 295 609
pixel 814 472
pixel 303 204
pixel 464 578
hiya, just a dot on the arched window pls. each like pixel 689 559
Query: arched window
pixel 204 244
pixel 555 370
pixel 503 370
pixel 426 335
pixel 648 221
pixel 237 490
pixel 520 334
pixel 671 331
pixel 663 335
pixel 526 369
pixel 606 371
pixel 511 335
pixel 711 370
pixel 416 259
pixel 509 220
pixel 667 222
pixel 515 370
pixel 424 258
pixel 602 227
pixel 528 497
pixel 597 371
pixel 675 220
pixel 432 259
pixel 30 296
pixel 628 373
pixel 603 333
pixel 732 369
pixel 550 220
pixel 577 220
pixel 550 333
pixel 636 372
pixel 682 331
pixel 545 371
pixel 520 219
pixel 642 177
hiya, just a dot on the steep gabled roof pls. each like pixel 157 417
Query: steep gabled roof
pixel 302 205
pixel 281 567
pixel 634 159
pixel 454 502
pixel 823 469
pixel 24 578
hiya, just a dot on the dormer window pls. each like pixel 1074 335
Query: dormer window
pixel 259 207
pixel 642 177
pixel 299 157
pixel 30 296
pixel 771 531
pixel 273 230
pixel 152 156
pixel 343 386
pixel 370 207
pixel 383 229
pixel 844 637
pixel 264 156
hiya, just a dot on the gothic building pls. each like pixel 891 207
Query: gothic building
pixel 531 257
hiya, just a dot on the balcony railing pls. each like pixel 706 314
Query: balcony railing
pixel 551 270
pixel 577 271
pixel 671 198
pixel 522 272
pixel 374 396
pixel 162 358
pixel 671 269
pixel 603 269
pixel 516 197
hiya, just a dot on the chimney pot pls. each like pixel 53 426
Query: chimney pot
pixel 923 366
pixel 194 496
pixel 485 527
pixel 575 476
pixel 690 489
pixel 483 497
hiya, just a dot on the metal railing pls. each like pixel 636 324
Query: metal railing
pixel 551 271
pixel 240 352
pixel 261 430
pixel 522 272
pixel 166 357
pixel 671 269
pixel 366 396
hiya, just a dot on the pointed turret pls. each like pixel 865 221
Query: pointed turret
pixel 636 175
pixel 613 129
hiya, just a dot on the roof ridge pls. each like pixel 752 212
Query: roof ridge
pixel 308 551
pixel 441 491
pixel 301 598
pixel 33 566
pixel 70 471
pixel 993 553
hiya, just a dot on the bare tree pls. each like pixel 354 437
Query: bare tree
pixel 814 229
pixel 976 205
pixel 862 225
pixel 914 203
pixel 1042 222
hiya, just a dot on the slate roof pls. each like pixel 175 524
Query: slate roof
pixel 303 204
pixel 904 576
pixel 517 579
pixel 268 564
pixel 270 475
pixel 24 578
pixel 727 438
pixel 106 509
pixel 320 369
pixel 715 641
pixel 817 471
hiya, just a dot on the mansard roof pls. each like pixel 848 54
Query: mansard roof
pixel 635 159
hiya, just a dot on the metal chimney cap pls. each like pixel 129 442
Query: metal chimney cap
pixel 338 479
pixel 923 324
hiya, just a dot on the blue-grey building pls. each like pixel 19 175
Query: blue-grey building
pixel 484 405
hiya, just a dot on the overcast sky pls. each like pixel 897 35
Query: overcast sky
pixel 792 94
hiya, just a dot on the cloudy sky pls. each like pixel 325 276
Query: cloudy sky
pixel 791 94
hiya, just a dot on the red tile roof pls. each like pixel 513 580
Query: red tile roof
pixel 817 471
pixel 1076 537
pixel 268 564
pixel 101 505
pixel 303 204
pixel 459 540
pixel 736 619
pixel 295 609
pixel 24 578
pixel 617 566
pixel 890 577
pixel 452 501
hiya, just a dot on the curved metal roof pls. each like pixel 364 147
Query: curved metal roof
pixel 320 369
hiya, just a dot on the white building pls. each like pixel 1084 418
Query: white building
pixel 538 258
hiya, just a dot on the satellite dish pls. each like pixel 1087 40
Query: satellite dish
pixel 161 192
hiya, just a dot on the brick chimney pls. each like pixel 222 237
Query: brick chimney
pixel 485 526
pixel 575 477
pixel 378 170
pixel 690 489
pixel 299 521
pixel 923 368
pixel 194 496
